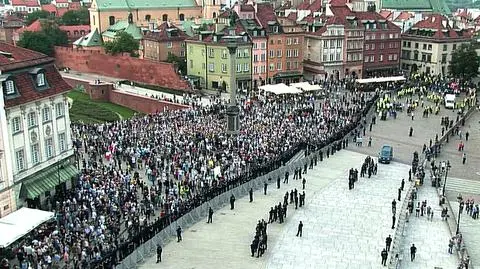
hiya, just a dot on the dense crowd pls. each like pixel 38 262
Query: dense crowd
pixel 139 175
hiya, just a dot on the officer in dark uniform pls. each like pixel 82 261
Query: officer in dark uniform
pixel 265 185
pixel 384 255
pixel 250 193
pixel 179 234
pixel 278 182
pixel 159 253
pixel 232 202
pixel 388 242
pixel 210 215
pixel 286 177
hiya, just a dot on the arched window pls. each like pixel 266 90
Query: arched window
pixel 111 20
pixel 181 17
pixel 213 2
pixel 148 17
pixel 214 15
pixel 164 17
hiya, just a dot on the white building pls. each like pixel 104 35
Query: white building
pixel 26 6
pixel 35 127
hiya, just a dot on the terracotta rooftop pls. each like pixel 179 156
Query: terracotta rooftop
pixel 166 32
pixel 404 16
pixel 35 26
pixel 387 14
pixel 16 57
pixel 28 3
pixel 437 26
pixel 266 15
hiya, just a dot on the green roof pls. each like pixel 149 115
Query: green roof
pixel 143 4
pixel 46 179
pixel 92 39
pixel 124 26
pixel 436 6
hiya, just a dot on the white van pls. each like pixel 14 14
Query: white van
pixel 450 101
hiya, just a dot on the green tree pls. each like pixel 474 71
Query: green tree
pixel 464 63
pixel 76 17
pixel 55 34
pixel 123 42
pixel 39 14
pixel 37 41
pixel 179 62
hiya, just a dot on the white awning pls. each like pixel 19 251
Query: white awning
pixel 305 86
pixel 382 79
pixel 21 222
pixel 280 89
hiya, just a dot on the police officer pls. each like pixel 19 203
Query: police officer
pixel 250 193
pixel 388 242
pixel 179 234
pixel 210 215
pixel 384 255
pixel 265 185
pixel 159 253
pixel 232 202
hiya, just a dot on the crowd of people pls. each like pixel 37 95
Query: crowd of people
pixel 140 175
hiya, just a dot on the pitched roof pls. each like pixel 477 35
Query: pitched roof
pixel 266 15
pixel 437 27
pixel 385 13
pixel 130 28
pixel 335 3
pixel 16 57
pixel 166 32
pixel 315 6
pixel 92 39
pixel 61 1
pixel 403 16
pixel 437 6
pixel 35 26
pixel 50 8
pixel 144 4
pixel 73 28
pixel 26 89
pixel 28 3
pixel 247 8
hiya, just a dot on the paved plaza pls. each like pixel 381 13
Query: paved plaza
pixel 343 229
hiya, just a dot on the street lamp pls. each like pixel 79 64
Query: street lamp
pixel 446 175
pixel 459 213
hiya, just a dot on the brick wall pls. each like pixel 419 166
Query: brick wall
pixel 142 104
pixel 120 66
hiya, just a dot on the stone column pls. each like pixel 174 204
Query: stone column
pixel 233 124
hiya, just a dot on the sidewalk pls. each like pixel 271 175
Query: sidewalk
pixel 343 229
pixel 469 228
pixel 430 237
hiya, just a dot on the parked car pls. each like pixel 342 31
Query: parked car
pixel 386 154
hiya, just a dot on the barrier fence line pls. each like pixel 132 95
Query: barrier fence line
pixel 141 252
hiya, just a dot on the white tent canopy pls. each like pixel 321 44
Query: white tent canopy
pixel 382 79
pixel 305 86
pixel 21 222
pixel 279 89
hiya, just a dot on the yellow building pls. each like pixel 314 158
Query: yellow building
pixel 104 13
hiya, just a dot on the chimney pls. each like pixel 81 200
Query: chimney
pixel 433 18
pixel 200 37
pixel 444 23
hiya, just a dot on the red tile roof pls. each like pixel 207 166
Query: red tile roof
pixel 304 5
pixel 266 14
pixel 28 3
pixel 403 16
pixel 61 1
pixel 292 16
pixel 74 6
pixel 73 28
pixel 35 26
pixel 387 14
pixel 20 57
pixel 50 8
pixel 248 8
pixel 315 6
pixel 27 91
pixel 61 11
pixel 161 34
pixel 439 26
pixel 336 3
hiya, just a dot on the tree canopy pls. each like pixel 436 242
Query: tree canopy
pixel 465 62
pixel 76 17
pixel 179 62
pixel 39 14
pixel 44 40
pixel 123 42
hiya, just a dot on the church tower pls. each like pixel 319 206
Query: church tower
pixel 211 8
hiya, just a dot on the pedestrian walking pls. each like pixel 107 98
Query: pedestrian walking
pixel 265 185
pixel 232 202
pixel 300 229
pixel 250 193
pixel 388 242
pixel 413 251
pixel 464 158
pixel 278 182
pixel 393 221
pixel 411 131
pixel 179 234
pixel 210 215
pixel 384 255
pixel 159 253
pixel 303 183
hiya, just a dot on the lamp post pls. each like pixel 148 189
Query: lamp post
pixel 459 214
pixel 446 176
pixel 233 124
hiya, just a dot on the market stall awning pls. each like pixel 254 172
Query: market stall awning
pixel 21 222
pixel 46 180
pixel 378 80
pixel 280 89
pixel 305 86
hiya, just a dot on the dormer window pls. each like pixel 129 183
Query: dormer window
pixel 40 79
pixel 9 87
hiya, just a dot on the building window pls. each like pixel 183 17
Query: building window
pixel 35 154
pixel 279 53
pixel 148 17
pixel 239 68
pixel 224 68
pixel 445 47
pixel 169 44
pixel 49 147
pixel 224 54
pixel 46 116
pixel 62 142
pixel 271 67
pixel 181 17
pixel 211 53
pixel 246 67
pixel 111 20
pixel 164 17
pixel 246 53
pixel 279 66
pixel 20 160
pixel 9 87
pixel 16 125
pixel 211 67
pixel 32 119
pixel 59 109
pixel 271 53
